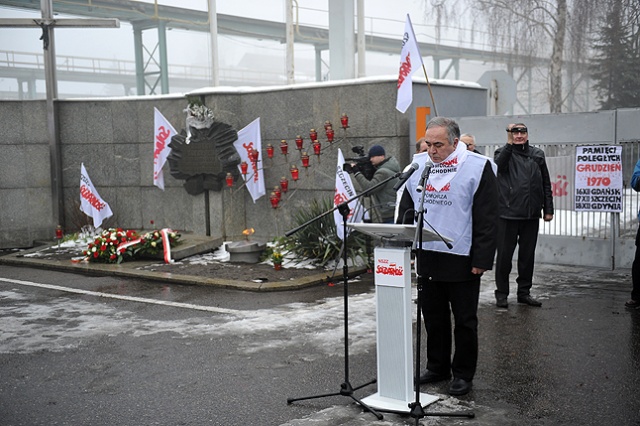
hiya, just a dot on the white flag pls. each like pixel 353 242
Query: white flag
pixel 163 131
pixel 90 202
pixel 345 191
pixel 249 140
pixel 410 61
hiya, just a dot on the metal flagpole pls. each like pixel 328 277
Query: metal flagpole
pixel 433 102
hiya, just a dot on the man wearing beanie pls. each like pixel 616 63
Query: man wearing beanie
pixel 383 197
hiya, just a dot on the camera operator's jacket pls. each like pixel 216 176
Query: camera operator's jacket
pixel 523 182
pixel 383 197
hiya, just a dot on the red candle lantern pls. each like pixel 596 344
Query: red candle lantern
pixel 284 184
pixel 330 134
pixel 313 135
pixel 299 142
pixel 254 155
pixel 305 160
pixel 244 167
pixel 274 200
pixel 229 180
pixel 317 147
pixel 327 125
pixel 278 192
pixel 284 147
pixel 269 150
pixel 344 120
pixel 59 233
pixel 295 173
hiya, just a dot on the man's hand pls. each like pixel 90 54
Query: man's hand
pixel 350 168
pixel 509 134
pixel 548 217
pixel 477 271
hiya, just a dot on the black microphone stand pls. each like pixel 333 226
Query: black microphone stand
pixel 346 389
pixel 417 411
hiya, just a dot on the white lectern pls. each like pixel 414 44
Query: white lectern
pixel 392 276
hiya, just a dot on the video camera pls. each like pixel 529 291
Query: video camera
pixel 362 163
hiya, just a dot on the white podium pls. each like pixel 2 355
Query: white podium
pixel 392 276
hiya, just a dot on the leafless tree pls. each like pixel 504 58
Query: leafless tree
pixel 557 29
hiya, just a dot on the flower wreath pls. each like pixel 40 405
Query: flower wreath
pixel 115 245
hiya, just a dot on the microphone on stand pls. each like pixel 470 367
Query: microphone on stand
pixel 405 175
pixel 425 176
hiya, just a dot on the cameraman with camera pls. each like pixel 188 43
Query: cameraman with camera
pixel 384 196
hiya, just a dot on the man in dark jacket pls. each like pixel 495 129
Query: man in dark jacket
pixel 525 192
pixel 383 197
pixel 460 202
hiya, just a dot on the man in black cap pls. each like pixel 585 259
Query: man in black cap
pixel 525 191
pixel 383 197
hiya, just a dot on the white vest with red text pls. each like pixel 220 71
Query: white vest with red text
pixel 449 210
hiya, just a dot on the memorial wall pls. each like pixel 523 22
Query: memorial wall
pixel 114 139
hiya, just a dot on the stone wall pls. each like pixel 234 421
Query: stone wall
pixel 114 140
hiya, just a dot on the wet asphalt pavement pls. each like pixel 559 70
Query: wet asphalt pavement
pixel 163 354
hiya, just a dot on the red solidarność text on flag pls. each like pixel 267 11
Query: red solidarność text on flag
pixel 410 61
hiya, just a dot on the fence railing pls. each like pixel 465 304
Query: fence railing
pixel 567 221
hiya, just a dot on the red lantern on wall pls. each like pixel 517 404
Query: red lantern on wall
pixel 317 147
pixel 274 200
pixel 284 184
pixel 244 167
pixel 269 150
pixel 284 147
pixel 299 142
pixel 229 180
pixel 295 173
pixel 278 192
pixel 327 125
pixel 330 134
pixel 59 233
pixel 305 160
pixel 313 135
pixel 344 120
pixel 254 155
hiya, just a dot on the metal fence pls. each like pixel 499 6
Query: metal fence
pixel 571 223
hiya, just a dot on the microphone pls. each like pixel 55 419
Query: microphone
pixel 425 175
pixel 406 174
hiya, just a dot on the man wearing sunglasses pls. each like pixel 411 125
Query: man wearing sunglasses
pixel 525 196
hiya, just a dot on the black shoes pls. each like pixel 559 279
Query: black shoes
pixel 432 377
pixel 457 386
pixel 528 300
pixel 460 387
pixel 501 302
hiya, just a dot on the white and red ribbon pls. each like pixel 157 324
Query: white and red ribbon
pixel 124 246
pixel 166 244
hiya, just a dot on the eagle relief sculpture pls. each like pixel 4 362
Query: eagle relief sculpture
pixel 204 155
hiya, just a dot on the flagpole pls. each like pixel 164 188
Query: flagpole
pixel 410 49
pixel 433 102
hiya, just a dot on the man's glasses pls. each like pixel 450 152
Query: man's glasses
pixel 517 130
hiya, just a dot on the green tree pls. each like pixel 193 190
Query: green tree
pixel 617 60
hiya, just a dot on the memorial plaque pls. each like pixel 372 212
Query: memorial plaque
pixel 204 160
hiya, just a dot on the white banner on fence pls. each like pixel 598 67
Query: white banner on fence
pixel 598 184
pixel 562 181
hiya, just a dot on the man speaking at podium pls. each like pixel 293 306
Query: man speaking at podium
pixel 461 203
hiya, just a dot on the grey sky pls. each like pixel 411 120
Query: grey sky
pixel 187 48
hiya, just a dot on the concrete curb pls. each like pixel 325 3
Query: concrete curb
pixel 131 270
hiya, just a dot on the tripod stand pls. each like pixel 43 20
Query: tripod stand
pixel 346 389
